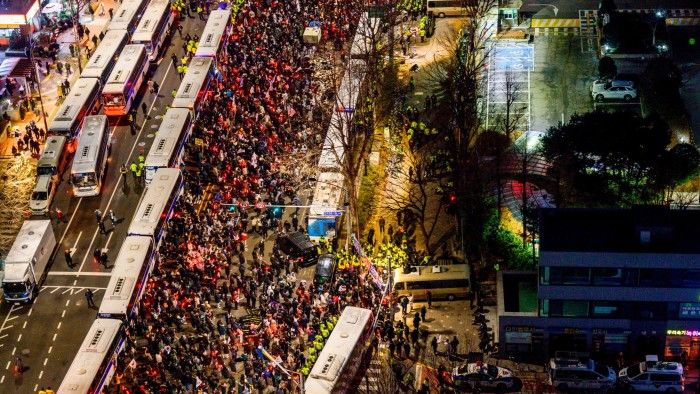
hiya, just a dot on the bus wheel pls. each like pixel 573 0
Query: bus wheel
pixel 441 15
pixel 451 297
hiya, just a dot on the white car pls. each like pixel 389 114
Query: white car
pixel 604 83
pixel 42 195
pixel 625 93
pixel 485 376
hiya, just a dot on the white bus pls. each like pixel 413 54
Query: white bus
pixel 157 204
pixel 167 148
pixel 125 80
pixel 101 62
pixel 90 160
pixel 366 34
pixel 337 364
pixel 443 8
pixel 127 15
pixel 53 159
pixel 215 35
pixel 83 100
pixel 94 364
pixel 129 275
pixel 154 27
pixel 195 84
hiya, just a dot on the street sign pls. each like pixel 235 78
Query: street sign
pixel 332 213
pixel 347 110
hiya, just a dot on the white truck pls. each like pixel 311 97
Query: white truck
pixel 25 265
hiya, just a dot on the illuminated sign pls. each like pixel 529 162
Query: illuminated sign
pixel 14 19
pixel 689 310
pixel 684 333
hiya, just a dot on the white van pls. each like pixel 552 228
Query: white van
pixel 654 376
pixel 42 195
pixel 575 371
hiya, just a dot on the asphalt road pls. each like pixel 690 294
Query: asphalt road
pixel 48 332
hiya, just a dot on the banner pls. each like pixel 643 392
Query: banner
pixel 368 263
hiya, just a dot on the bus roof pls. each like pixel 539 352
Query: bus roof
pixel 125 14
pixel 214 30
pixel 125 66
pixel 192 83
pixel 90 356
pixel 77 98
pixel 337 350
pixel 367 34
pixel 327 193
pixel 27 241
pixel 134 253
pixel 432 272
pixel 153 202
pixel 167 137
pixel 150 20
pixel 111 44
pixel 52 151
pixel 89 143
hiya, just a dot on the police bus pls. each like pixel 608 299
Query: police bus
pixel 215 35
pixel 83 100
pixel 154 27
pixel 336 366
pixel 127 15
pixel 125 80
pixel 94 364
pixel 157 204
pixel 128 280
pixel 167 148
pixel 53 158
pixel 90 162
pixel 101 62
pixel 194 85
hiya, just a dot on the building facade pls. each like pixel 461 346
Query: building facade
pixel 611 281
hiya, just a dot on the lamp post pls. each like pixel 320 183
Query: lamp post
pixel 38 81
pixel 75 8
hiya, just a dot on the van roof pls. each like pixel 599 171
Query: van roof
pixel 433 272
pixel 42 183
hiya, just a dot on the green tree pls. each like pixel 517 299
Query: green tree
pixel 614 159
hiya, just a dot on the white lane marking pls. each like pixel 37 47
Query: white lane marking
pixel 46 360
pixel 41 373
pixel 90 246
pixel 67 302
pixel 74 248
pixel 109 238
pixel 19 338
pixel 50 349
pixel 2 380
pixel 60 241
pixel 75 282
pixel 55 290
pixel 7 328
pixel 71 273
pixel 4 323
pixel 58 327
pixel 24 325
pixel 14 349
pixel 8 365
pixel 54 338
pixel 4 336
pixel 30 311
pixel 66 291
pixel 63 314
pixel 77 288
pixel 12 318
pixel 36 386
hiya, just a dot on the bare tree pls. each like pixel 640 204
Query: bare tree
pixel 514 111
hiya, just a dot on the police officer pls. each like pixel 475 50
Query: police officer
pixel 133 168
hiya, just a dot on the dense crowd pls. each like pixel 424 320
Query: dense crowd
pixel 190 334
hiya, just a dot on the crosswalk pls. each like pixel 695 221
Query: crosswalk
pixel 375 373
pixel 588 30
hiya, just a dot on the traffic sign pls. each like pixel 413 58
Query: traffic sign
pixel 332 213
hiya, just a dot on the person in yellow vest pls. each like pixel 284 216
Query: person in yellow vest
pixel 42 391
pixel 180 72
pixel 174 92
pixel 49 391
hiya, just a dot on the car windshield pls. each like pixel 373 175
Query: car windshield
pixel 492 371
pixel 324 266
pixel 633 370
pixel 14 287
pixel 601 369
pixel 39 196
pixel 45 170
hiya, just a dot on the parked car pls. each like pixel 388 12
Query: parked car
pixel 42 195
pixel 571 370
pixel 653 376
pixel 325 269
pixel 297 246
pixel 485 376
pixel 625 93
pixel 605 83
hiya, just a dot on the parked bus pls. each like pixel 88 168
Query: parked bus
pixel 167 148
pixel 83 100
pixel 128 280
pixel 336 366
pixel 127 15
pixel 366 35
pixel 125 80
pixel 195 84
pixel 443 8
pixel 101 62
pixel 90 160
pixel 215 35
pixel 53 158
pixel 94 364
pixel 444 281
pixel 157 204
pixel 154 27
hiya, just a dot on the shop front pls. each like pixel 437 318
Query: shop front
pixel 682 343
pixel 21 17
pixel 567 339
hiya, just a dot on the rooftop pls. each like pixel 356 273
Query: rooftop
pixel 15 7
pixel 638 230
pixel 568 9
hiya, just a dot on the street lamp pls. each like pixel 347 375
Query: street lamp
pixel 38 81
pixel 346 205
pixel 75 8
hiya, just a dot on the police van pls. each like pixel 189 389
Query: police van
pixel 576 371
pixel 653 376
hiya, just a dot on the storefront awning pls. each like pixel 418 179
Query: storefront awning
pixel 15 67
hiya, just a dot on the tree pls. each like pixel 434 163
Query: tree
pixel 676 166
pixel 614 159
pixel 607 67
pixel 514 111
pixel 607 7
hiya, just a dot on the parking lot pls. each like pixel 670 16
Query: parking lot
pixel 508 89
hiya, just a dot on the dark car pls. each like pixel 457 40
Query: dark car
pixel 325 268
pixel 297 246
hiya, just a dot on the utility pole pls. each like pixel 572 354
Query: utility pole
pixel 75 8
pixel 38 82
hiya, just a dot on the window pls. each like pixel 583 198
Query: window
pixel 607 276
pixel 568 308
pixel 654 278
pixel 651 310
pixel 566 276
pixel 418 285
pixel 605 309
pixel 685 278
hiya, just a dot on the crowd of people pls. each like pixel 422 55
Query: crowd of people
pixel 191 333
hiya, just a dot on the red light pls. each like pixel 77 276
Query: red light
pixel 453 198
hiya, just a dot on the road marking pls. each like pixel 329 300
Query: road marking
pixel 71 273
pixel 109 238
pixel 50 349
pixel 12 318
pixel 55 290
pixel 4 336
pixel 73 249
pixel 46 360
pixel 19 338
pixel 30 311
pixel 8 365
pixel 75 282
pixel 60 241
pixel 41 373
pixel 14 349
pixel 7 328
pixel 58 327
pixel 4 323
pixel 36 386
pixel 67 302
pixel 63 314
pixel 2 380
pixel 92 240
pixel 54 338
pixel 24 325
pixel 69 289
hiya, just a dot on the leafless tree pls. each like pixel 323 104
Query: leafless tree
pixel 514 111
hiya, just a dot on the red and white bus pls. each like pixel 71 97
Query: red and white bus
pixel 215 35
pixel 125 80
pixel 154 26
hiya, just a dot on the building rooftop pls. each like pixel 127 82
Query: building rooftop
pixel 637 230
pixel 568 9
pixel 15 7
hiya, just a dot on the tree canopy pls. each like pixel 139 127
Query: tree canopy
pixel 615 159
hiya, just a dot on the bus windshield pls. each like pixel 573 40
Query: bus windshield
pixel 113 99
pixel 86 179
pixel 38 196
pixel 14 287
pixel 45 170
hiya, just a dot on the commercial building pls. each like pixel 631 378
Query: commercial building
pixel 613 280
pixel 16 15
